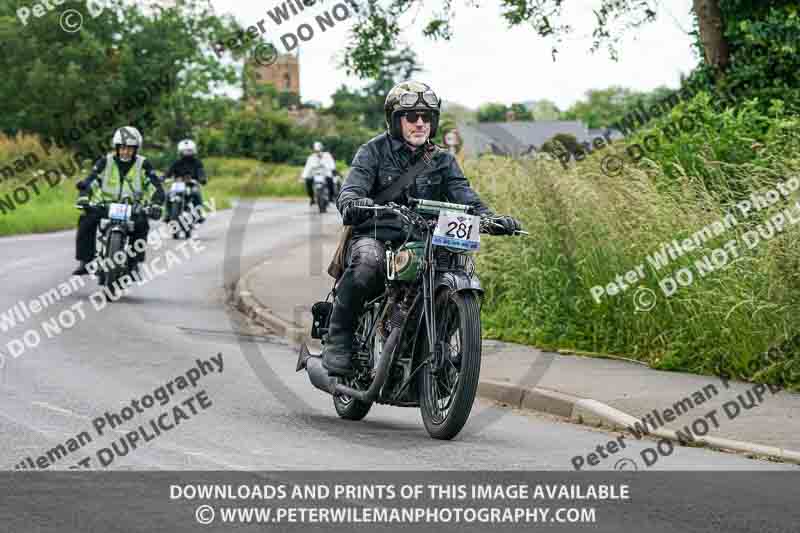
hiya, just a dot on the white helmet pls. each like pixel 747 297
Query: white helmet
pixel 187 147
pixel 317 146
pixel 127 136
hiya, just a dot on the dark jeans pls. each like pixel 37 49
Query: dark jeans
pixel 87 229
pixel 362 281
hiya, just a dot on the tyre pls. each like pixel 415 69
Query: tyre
pixel 347 407
pixel 322 201
pixel 116 243
pixel 447 395
pixel 175 210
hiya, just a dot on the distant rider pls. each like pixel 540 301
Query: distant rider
pixel 190 165
pixel 114 177
pixel 319 163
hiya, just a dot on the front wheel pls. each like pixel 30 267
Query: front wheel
pixel 322 200
pixel 175 210
pixel 448 392
pixel 116 244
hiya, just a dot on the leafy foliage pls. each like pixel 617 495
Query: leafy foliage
pixel 104 67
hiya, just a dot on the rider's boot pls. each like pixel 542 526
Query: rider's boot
pixel 81 270
pixel 338 353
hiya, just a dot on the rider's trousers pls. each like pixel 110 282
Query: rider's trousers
pixel 363 280
pixel 87 228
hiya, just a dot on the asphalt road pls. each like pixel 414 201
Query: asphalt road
pixel 262 415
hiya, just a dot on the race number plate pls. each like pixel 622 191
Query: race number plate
pixel 458 230
pixel 120 212
pixel 178 186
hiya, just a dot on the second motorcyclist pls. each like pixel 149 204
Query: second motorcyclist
pixel 189 165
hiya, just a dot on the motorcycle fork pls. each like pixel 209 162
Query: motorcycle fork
pixel 428 281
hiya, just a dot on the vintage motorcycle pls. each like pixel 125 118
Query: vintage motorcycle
pixel 419 343
pixel 180 205
pixel 114 246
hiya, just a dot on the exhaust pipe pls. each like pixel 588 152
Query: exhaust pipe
pixel 319 377
pixel 316 372
pixel 370 394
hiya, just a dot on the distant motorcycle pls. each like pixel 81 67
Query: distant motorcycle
pixel 114 244
pixel 179 201
pixel 321 192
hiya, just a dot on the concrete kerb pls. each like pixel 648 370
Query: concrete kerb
pixel 594 413
pixel 250 306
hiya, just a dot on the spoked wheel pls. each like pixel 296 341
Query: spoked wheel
pixel 347 407
pixel 447 390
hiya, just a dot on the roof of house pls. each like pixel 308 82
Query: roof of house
pixel 515 138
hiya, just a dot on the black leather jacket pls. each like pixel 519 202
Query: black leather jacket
pixel 384 159
pixel 188 166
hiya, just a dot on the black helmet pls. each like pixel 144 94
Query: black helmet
pixel 410 96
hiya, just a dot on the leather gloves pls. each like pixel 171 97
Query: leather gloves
pixel 353 216
pixel 503 225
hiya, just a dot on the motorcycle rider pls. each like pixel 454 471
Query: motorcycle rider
pixel 319 163
pixel 411 111
pixel 113 178
pixel 190 165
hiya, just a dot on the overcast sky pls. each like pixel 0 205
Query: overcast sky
pixel 486 61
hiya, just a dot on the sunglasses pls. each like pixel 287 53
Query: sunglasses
pixel 413 116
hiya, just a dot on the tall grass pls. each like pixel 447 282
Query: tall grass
pixel 587 228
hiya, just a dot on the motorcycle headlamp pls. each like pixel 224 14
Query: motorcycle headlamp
pixel 429 98
pixel 401 260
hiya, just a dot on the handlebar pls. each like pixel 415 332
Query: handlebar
pixel 432 207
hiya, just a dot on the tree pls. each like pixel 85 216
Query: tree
pixel 543 110
pixel 367 104
pixel 602 106
pixel 374 34
pixel 105 75
pixel 492 112
pixel 521 112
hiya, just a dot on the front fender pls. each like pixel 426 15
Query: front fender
pixel 458 281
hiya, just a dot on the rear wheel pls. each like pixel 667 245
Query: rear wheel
pixel 448 392
pixel 347 407
pixel 116 242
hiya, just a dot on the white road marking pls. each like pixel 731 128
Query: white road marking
pixel 60 410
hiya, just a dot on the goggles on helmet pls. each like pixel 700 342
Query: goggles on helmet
pixel 412 99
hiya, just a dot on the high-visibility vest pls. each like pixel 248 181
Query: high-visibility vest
pixel 114 188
